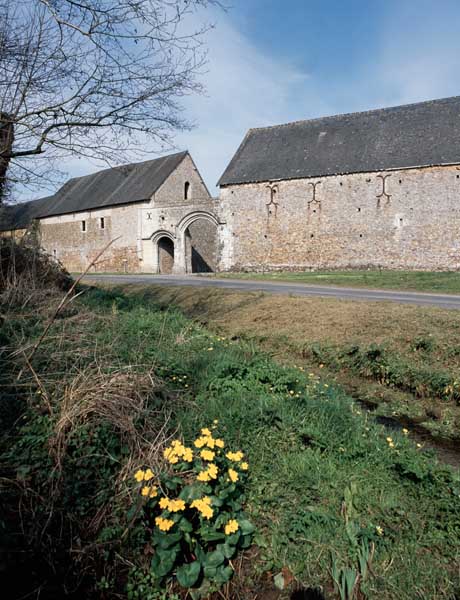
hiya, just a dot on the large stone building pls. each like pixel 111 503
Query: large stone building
pixel 158 214
pixel 377 188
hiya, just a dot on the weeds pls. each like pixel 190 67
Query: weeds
pixel 324 481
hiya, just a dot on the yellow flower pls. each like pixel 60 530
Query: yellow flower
pixel 210 442
pixel 235 456
pixel 176 505
pixel 188 455
pixel 163 524
pixel 151 492
pixel 233 475
pixel 405 431
pixel 391 444
pixel 244 466
pixel 164 503
pixel 139 475
pixel 219 443
pixel 205 431
pixel 379 530
pixel 215 421
pixel 207 455
pixel 389 439
pixel 203 506
pixel 148 475
pixel 213 470
pixel 203 476
pixel 200 442
pixel 231 527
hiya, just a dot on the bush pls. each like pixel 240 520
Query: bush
pixel 195 509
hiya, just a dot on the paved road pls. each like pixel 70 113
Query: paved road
pixel 295 289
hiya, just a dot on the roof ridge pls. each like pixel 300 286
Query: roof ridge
pixel 134 164
pixel 358 112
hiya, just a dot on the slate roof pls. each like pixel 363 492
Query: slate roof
pixel 414 135
pixel 130 183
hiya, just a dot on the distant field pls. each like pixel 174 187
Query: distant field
pixel 420 281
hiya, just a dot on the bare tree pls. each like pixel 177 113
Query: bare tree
pixel 93 78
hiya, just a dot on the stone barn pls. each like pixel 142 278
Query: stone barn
pixel 158 214
pixel 372 189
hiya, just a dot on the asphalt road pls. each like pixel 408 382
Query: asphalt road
pixel 293 289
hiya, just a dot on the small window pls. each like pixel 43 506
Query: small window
pixel 186 190
pixel 102 223
pixel 83 225
pixel 55 254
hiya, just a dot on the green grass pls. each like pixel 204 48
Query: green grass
pixel 323 477
pixel 419 281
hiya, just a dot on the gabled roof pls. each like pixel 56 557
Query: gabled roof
pixel 414 135
pixel 135 182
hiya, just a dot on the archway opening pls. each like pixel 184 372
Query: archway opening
pixel 201 246
pixel 165 255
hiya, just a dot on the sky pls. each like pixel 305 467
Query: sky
pixel 275 61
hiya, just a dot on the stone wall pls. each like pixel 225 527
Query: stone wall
pixel 63 237
pixel 397 219
pixel 132 227
pixel 202 246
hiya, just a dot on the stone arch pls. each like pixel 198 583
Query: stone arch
pixel 199 243
pixel 164 253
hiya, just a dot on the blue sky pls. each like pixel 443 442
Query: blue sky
pixel 275 61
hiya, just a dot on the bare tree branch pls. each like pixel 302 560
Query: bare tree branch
pixel 95 78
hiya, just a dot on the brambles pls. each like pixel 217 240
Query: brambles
pixel 195 509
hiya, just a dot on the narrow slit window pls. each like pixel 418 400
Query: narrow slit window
pixel 83 225
pixel 102 222
pixel 186 190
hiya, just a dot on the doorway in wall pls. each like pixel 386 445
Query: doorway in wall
pixel 201 246
pixel 165 255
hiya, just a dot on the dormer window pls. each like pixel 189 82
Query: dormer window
pixel 186 190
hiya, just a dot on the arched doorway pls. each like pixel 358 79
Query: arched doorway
pixel 201 246
pixel 165 255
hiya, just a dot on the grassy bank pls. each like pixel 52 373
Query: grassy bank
pixel 401 359
pixel 416 281
pixel 334 499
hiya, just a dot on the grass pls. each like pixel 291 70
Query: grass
pixel 401 358
pixel 417 281
pixel 332 497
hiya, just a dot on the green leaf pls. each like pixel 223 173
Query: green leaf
pixel 246 526
pixel 227 549
pixel 185 525
pixel 279 581
pixel 233 538
pixel 187 575
pixel 210 535
pixel 214 559
pixel 223 574
pixel 245 541
pixel 163 562
pixel 166 540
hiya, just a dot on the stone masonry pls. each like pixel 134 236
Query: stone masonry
pixel 408 219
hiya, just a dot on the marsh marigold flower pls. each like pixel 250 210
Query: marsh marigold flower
pixel 207 455
pixel 200 442
pixel 203 506
pixel 176 505
pixel 148 475
pixel 231 527
pixel 244 466
pixel 164 503
pixel 233 475
pixel 235 456
pixel 219 443
pixel 163 524
pixel 151 492
pixel 139 475
pixel 206 432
